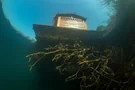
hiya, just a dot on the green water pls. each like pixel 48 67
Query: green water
pixel 14 70
pixel 14 74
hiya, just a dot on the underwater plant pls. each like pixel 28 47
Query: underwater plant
pixel 90 65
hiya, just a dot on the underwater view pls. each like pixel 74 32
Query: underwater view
pixel 67 44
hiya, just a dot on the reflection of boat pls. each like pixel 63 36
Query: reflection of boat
pixel 67 27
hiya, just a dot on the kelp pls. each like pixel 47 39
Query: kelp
pixel 90 65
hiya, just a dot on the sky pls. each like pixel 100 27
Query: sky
pixel 24 13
